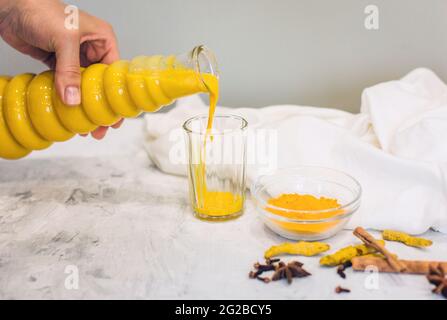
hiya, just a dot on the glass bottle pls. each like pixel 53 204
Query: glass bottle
pixel 32 116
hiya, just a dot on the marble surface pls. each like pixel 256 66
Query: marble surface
pixel 102 211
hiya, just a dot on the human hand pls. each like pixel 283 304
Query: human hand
pixel 37 28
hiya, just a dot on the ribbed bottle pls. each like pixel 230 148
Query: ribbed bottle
pixel 32 116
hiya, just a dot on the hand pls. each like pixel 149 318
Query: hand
pixel 37 28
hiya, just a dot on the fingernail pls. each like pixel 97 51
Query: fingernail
pixel 72 96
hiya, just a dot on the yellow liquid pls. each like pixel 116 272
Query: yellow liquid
pixel 32 116
pixel 217 204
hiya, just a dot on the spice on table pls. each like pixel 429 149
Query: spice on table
pixel 411 267
pixel 346 254
pixel 274 260
pixel 305 207
pixel 341 290
pixel 304 202
pixel 369 240
pixel 302 248
pixel 270 265
pixel 264 267
pixel 260 269
pixel 406 239
pixel 437 277
pixel 264 279
pixel 291 270
pixel 341 269
pixel 377 255
pixel 281 271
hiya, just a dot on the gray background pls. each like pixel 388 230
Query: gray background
pixel 308 52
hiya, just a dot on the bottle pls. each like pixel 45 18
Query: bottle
pixel 32 116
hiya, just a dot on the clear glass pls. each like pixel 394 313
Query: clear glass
pixel 216 166
pixel 200 59
pixel 318 181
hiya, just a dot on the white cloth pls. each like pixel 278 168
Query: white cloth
pixel 396 147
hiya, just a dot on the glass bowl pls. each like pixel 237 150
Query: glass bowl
pixel 317 181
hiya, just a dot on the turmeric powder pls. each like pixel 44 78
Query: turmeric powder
pixel 301 207
pixel 302 248
pixel 406 239
pixel 305 202
pixel 346 254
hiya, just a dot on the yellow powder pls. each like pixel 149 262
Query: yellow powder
pixel 305 202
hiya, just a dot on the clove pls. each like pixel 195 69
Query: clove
pixel 340 289
pixel 341 269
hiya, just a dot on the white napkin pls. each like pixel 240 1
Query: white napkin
pixel 396 147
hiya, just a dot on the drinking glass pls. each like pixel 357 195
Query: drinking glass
pixel 216 162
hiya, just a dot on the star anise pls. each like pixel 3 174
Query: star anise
pixel 291 270
pixel 436 276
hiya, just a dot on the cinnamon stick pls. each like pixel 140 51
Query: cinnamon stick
pixel 370 241
pixel 411 266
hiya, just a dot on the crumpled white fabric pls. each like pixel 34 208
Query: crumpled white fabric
pixel 396 147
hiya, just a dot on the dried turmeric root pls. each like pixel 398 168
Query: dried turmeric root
pixel 301 248
pixel 398 236
pixel 346 254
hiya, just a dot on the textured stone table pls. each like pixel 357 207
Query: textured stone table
pixel 103 211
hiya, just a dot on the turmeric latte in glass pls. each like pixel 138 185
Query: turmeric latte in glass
pixel 306 203
pixel 216 166
pixel 216 154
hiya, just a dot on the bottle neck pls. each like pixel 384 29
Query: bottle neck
pixel 205 64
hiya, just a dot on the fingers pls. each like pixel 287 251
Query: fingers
pixel 101 48
pixel 111 49
pixel 118 124
pixel 100 132
pixel 68 73
pixel 99 43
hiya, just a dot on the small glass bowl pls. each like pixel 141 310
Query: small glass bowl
pixel 317 181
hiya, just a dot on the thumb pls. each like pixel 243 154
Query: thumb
pixel 68 72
